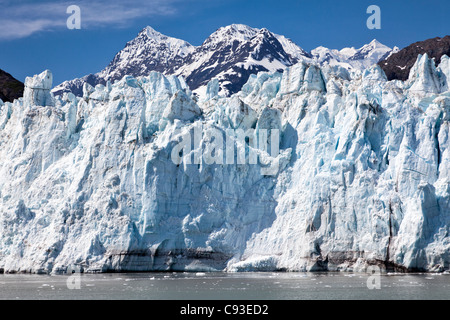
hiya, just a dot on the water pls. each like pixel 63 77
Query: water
pixel 220 286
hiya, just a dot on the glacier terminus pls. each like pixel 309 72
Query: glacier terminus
pixel 363 174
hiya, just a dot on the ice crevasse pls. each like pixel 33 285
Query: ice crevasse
pixel 362 178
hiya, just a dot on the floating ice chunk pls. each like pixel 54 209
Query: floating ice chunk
pixel 255 264
pixel 200 274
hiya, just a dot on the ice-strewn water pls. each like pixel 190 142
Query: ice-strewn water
pixel 200 286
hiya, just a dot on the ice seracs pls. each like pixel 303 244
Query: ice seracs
pixel 424 77
pixel 362 175
pixel 37 90
pixel 444 69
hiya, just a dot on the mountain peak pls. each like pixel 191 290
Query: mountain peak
pixel 376 43
pixel 239 32
pixel 372 52
pixel 150 31
pixel 265 33
pixel 157 36
pixel 240 27
pixel 373 45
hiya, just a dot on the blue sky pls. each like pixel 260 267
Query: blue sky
pixel 34 35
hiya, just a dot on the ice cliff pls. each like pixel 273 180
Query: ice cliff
pixel 362 175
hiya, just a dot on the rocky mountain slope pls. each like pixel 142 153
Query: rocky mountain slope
pixel 398 65
pixel 10 88
pixel 361 177
pixel 232 54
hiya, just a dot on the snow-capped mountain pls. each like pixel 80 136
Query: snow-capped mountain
pixel 231 54
pixel 361 177
pixel 352 58
pixel 149 51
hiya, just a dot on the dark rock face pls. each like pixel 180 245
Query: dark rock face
pixel 10 88
pixel 398 65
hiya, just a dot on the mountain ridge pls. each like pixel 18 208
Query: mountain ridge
pixel 228 54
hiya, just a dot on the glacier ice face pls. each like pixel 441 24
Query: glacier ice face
pixel 363 175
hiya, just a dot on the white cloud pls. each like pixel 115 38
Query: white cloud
pixel 25 18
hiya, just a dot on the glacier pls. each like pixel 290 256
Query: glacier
pixel 362 178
